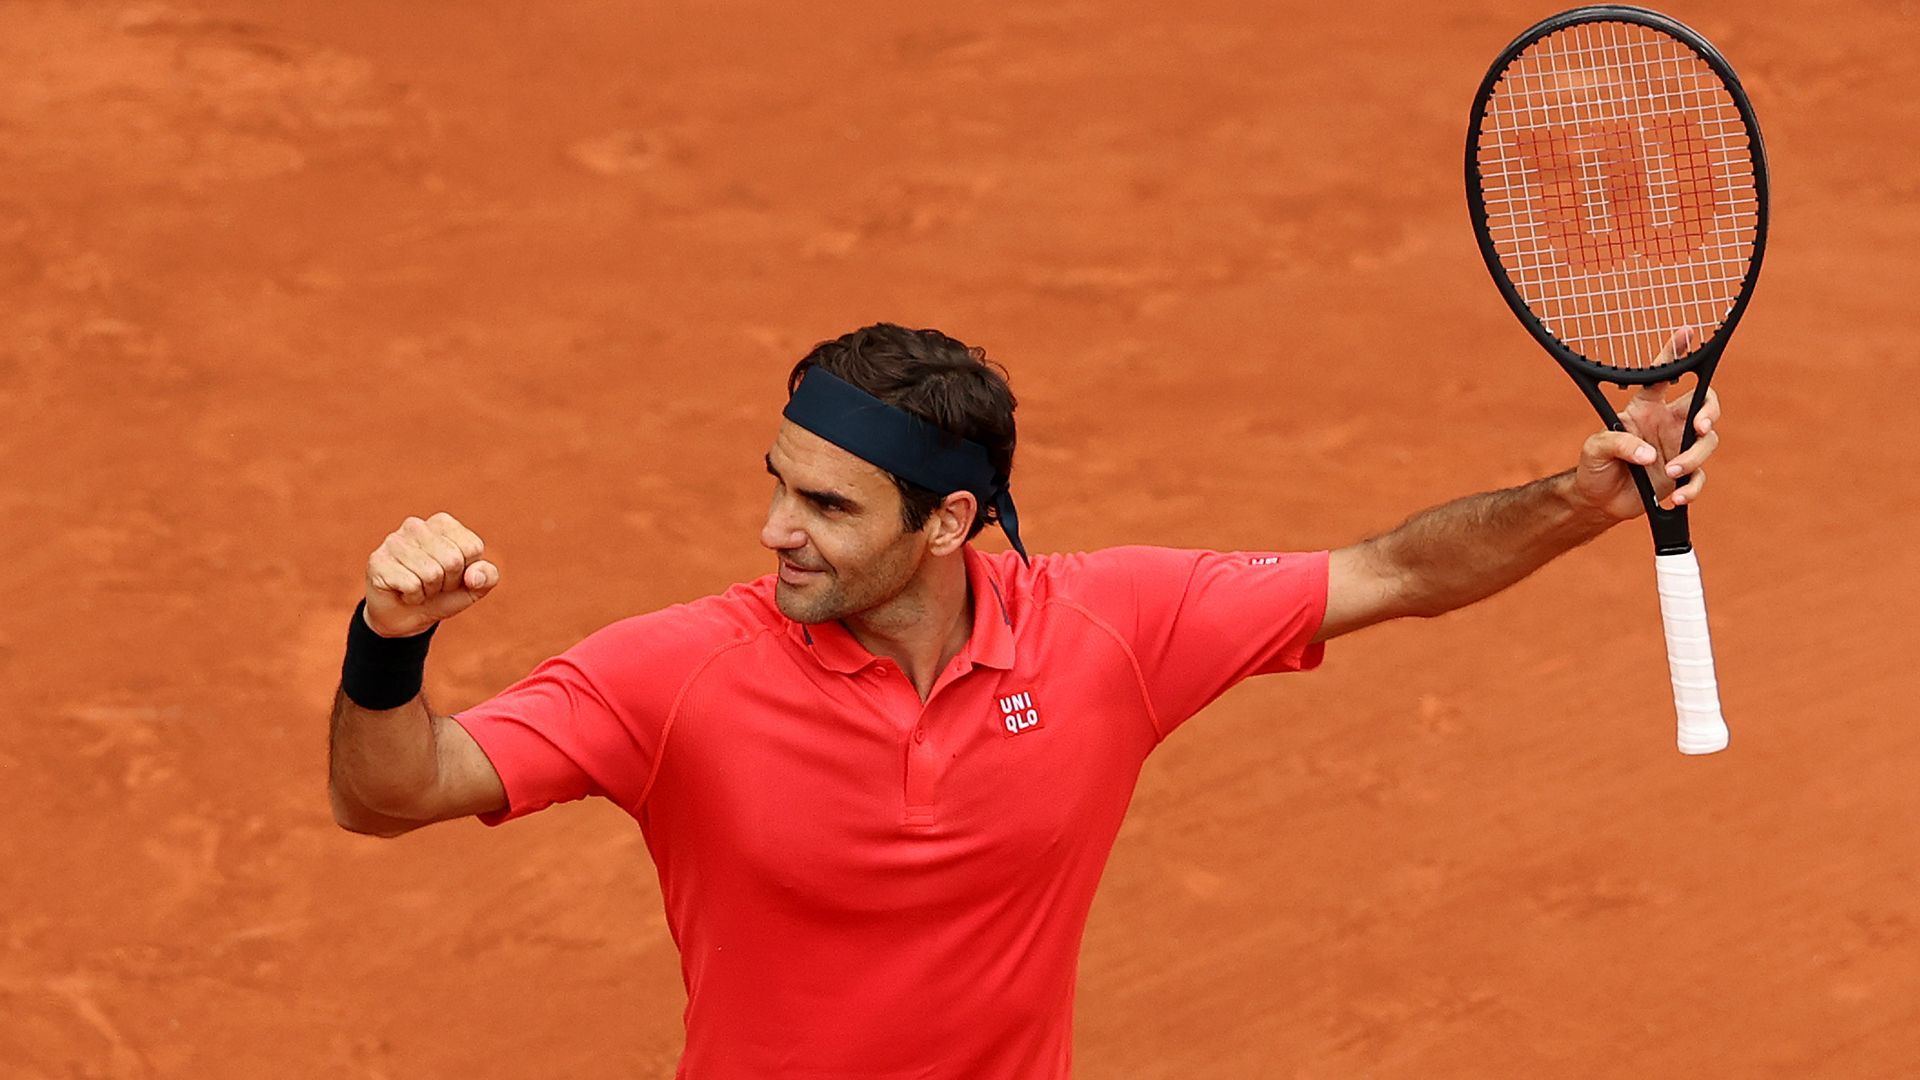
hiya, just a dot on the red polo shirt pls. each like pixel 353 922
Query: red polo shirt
pixel 863 886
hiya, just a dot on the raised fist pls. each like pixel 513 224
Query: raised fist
pixel 423 572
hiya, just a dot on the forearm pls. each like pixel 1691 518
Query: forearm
pixel 392 765
pixel 380 764
pixel 1466 550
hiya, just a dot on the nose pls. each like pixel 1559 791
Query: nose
pixel 779 533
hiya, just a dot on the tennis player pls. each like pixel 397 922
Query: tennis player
pixel 880 784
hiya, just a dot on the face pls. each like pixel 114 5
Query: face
pixel 835 524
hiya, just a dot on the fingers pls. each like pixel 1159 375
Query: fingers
pixel 385 573
pixel 1603 448
pixel 1709 414
pixel 1691 489
pixel 476 575
pixel 422 560
pixel 461 537
pixel 1645 416
pixel 1650 398
pixel 480 578
pixel 1677 346
pixel 437 559
pixel 1696 455
pixel 1709 410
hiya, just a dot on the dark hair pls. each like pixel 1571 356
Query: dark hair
pixel 950 385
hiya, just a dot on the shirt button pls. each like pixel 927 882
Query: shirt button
pixel 919 735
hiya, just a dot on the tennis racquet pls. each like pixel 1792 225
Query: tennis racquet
pixel 1619 194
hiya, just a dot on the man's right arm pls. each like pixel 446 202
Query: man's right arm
pixel 392 770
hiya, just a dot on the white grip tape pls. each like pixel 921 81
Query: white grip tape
pixel 1696 695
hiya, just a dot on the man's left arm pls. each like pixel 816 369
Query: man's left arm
pixel 1452 555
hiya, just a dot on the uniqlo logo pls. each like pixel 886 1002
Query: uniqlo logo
pixel 1017 713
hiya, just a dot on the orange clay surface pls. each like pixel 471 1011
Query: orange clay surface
pixel 277 275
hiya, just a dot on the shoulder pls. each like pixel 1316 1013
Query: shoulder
pixel 1109 573
pixel 681 635
pixel 1125 585
pixel 1111 583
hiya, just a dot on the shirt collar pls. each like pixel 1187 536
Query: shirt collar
pixel 990 644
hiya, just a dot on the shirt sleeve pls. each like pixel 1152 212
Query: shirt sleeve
pixel 591 720
pixel 1201 621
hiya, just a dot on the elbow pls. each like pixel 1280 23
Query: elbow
pixel 1366 585
pixel 358 819
pixel 360 828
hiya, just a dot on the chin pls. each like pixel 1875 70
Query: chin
pixel 803 609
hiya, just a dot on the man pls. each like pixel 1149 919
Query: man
pixel 880 785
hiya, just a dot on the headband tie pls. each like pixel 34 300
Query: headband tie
pixel 902 444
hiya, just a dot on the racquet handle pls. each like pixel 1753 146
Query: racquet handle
pixel 1696 694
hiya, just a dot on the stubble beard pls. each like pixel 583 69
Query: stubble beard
pixel 830 598
pixel 822 601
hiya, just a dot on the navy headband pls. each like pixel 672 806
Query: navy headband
pixel 901 443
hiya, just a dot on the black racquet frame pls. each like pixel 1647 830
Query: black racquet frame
pixel 1670 533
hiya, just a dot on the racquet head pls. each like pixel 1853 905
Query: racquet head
pixel 1619 191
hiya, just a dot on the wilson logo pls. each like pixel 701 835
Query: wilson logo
pixel 1017 713
pixel 1626 192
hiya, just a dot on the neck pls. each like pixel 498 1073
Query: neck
pixel 924 627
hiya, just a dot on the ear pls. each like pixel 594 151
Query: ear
pixel 948 524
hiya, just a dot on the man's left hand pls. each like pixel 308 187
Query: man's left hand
pixel 1652 440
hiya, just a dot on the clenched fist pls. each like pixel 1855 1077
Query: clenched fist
pixel 425 571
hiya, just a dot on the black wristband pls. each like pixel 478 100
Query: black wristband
pixel 381 672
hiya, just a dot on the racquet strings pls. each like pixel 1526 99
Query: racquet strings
pixel 1618 187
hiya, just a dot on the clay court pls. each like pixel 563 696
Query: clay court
pixel 280 274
